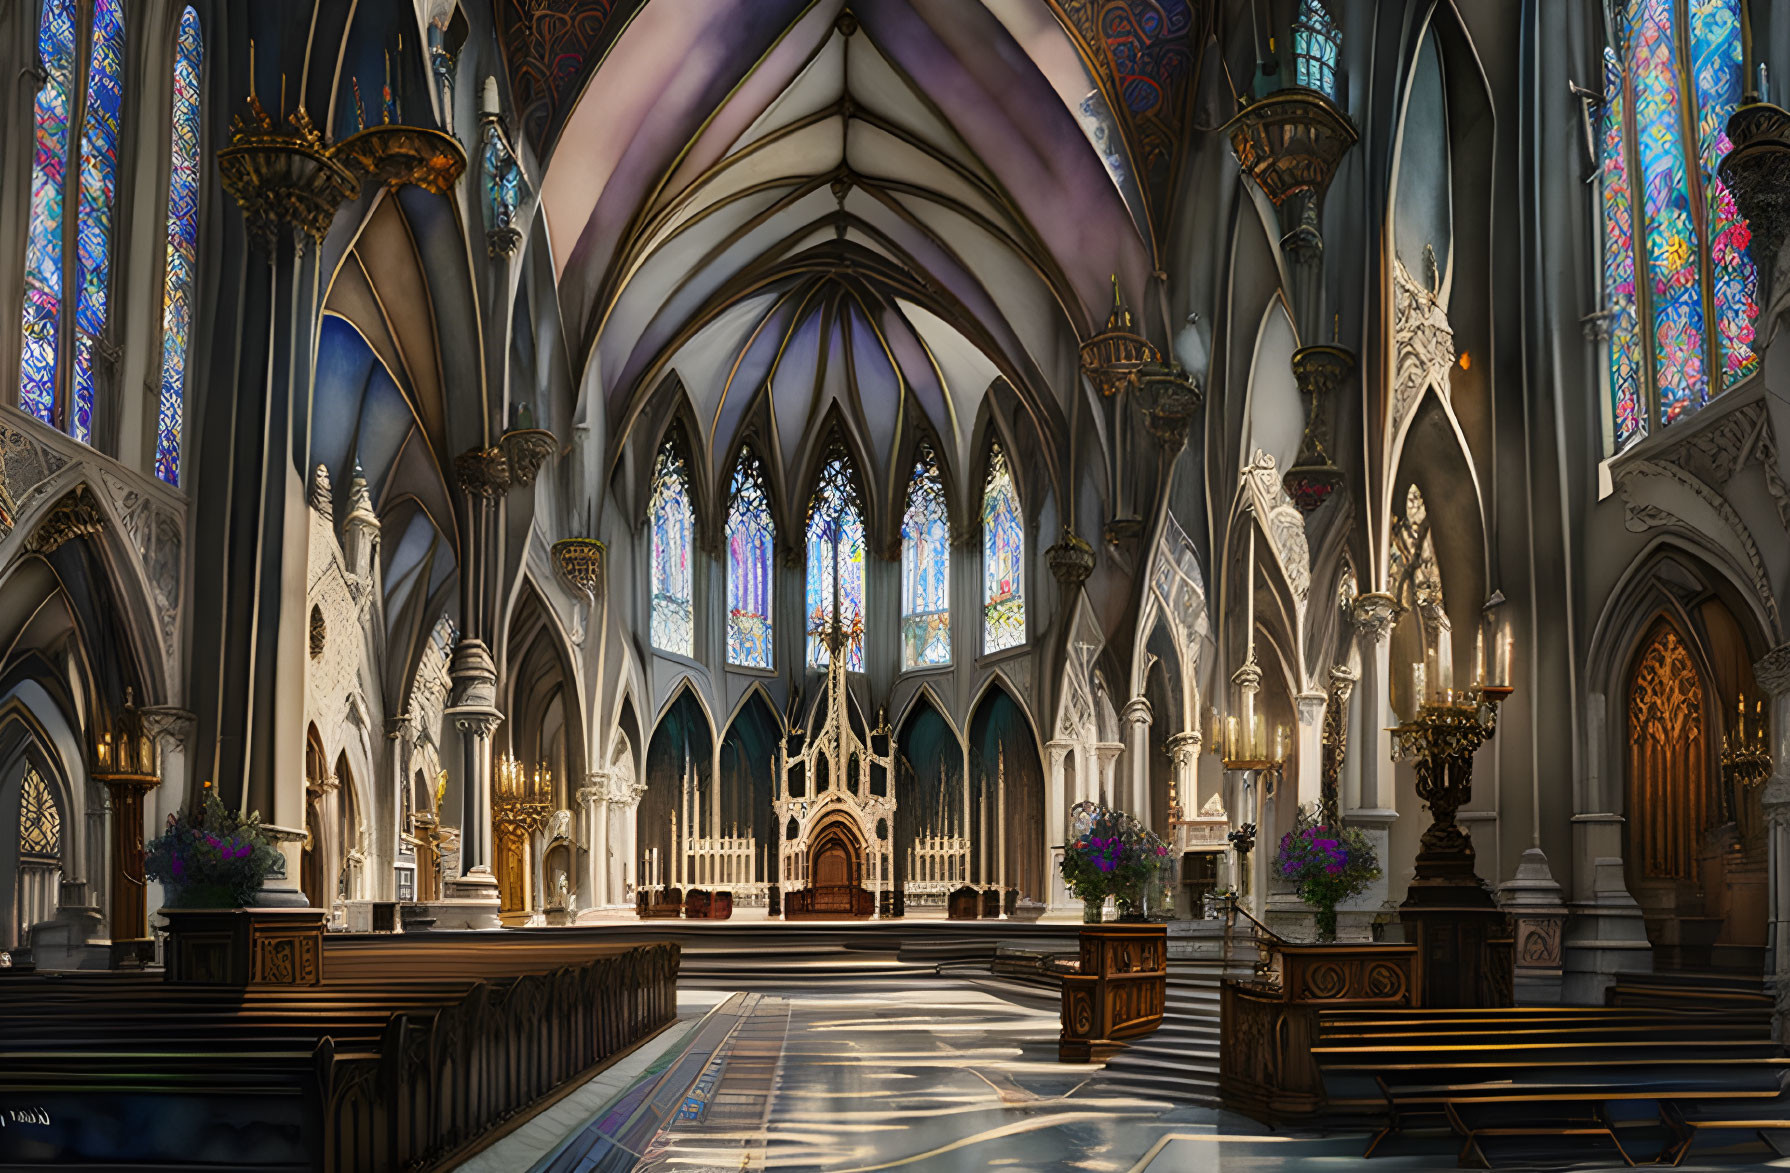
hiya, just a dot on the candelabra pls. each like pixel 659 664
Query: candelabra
pixel 520 808
pixel 1746 751
pixel 1463 937
pixel 125 763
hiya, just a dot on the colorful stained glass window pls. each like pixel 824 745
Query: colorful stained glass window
pixel 836 563
pixel 1003 558
pixel 40 823
pixel 1716 68
pixel 673 524
pixel 1674 241
pixel 43 245
pixel 750 537
pixel 98 184
pixel 183 242
pixel 926 567
pixel 1619 262
pixel 1315 42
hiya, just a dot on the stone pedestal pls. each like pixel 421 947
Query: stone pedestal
pixel 245 946
pixel 1606 936
pixel 1537 910
pixel 470 902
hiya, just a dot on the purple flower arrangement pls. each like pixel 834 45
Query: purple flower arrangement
pixel 211 857
pixel 1110 853
pixel 1326 865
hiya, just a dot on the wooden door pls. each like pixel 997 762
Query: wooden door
pixel 833 866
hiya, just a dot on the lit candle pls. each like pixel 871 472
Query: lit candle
pixel 1280 743
pixel 1479 658
pixel 1230 737
pixel 1418 696
pixel 1258 743
pixel 1506 653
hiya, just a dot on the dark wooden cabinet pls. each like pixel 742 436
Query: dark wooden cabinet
pixel 1116 991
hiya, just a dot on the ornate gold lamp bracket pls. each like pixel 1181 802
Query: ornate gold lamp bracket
pixel 289 179
pixel 1320 372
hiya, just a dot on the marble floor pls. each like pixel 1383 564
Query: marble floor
pixel 940 1077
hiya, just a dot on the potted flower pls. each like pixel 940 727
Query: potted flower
pixel 211 862
pixel 1326 865
pixel 212 857
pixel 1111 854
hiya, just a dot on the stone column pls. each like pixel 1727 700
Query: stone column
pixel 593 805
pixel 473 710
pixel 1373 806
pixel 1309 786
pixel 1106 755
pixel 1137 717
pixel 1056 818
pixel 1772 673
pixel 1184 784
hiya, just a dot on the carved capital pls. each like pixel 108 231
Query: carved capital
pixel 1342 682
pixel 1374 613
pixel 1772 671
pixel 167 721
pixel 1311 706
pixel 1184 748
pixel 1249 676
pixel 1137 711
pixel 76 515
pixel 593 794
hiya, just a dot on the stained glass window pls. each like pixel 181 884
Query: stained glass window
pixel 1619 262
pixel 1315 42
pixel 750 534
pixel 40 823
pixel 1003 558
pixel 43 246
pixel 183 240
pixel 836 563
pixel 1674 241
pixel 926 567
pixel 92 97
pixel 673 525
pixel 93 232
pixel 1716 68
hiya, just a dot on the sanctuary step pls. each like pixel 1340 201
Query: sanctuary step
pixel 1180 1060
pixel 1562 1083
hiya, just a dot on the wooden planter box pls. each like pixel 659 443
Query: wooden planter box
pixel 1266 1069
pixel 245 946
pixel 1116 991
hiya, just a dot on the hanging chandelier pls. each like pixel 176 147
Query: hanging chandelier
pixel 1113 358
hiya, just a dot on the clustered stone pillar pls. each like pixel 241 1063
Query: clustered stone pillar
pixel 1138 718
pixel 1184 795
pixel 1773 675
pixel 473 710
pixel 593 805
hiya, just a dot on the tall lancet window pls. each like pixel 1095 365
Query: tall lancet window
pixel 1003 558
pixel 836 563
pixel 926 567
pixel 750 535
pixel 183 245
pixel 58 253
pixel 673 525
pixel 1675 257
pixel 1315 42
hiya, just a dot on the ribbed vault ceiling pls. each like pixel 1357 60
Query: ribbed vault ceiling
pixel 801 206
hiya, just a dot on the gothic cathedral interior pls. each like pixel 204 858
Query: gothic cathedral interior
pixel 1151 569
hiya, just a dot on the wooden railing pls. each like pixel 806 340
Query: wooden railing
pixel 1270 1024
pixel 439 1081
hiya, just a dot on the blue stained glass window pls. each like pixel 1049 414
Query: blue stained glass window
pixel 836 563
pixel 926 567
pixel 1003 558
pixel 1716 68
pixel 673 524
pixel 1315 42
pixel 98 183
pixel 43 246
pixel 1619 263
pixel 750 538
pixel 183 242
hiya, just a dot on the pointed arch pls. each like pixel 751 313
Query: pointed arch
pixel 1006 778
